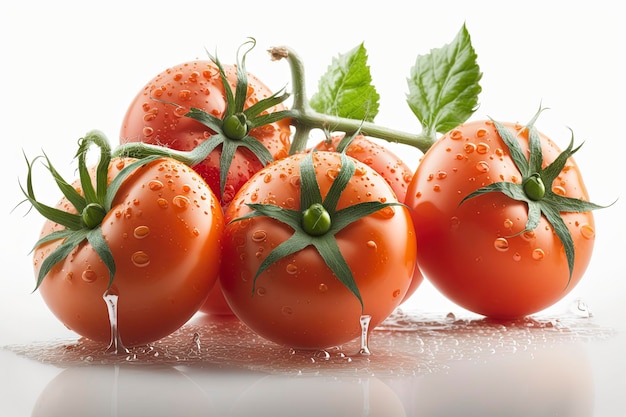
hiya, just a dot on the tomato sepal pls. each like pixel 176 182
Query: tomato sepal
pixel 532 190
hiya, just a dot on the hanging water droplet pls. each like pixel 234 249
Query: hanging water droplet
pixel 365 325
pixel 116 346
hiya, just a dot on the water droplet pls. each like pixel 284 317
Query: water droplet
pixel 322 287
pixel 557 189
pixel 267 178
pixel 482 148
pixel 180 201
pixel 259 235
pixel 501 244
pixel 528 235
pixel 442 175
pixel 455 222
pixel 286 311
pixel 469 147
pixel 587 231
pixel 295 181
pixel 371 244
pixel 116 346
pixel 365 325
pixel 147 131
pixel 538 254
pixel 517 257
pixel 482 166
pixel 396 293
pixel 386 213
pixel 89 275
pixel 456 134
pixel 436 188
pixel 292 269
pixel 155 185
pixel 140 259
pixel 581 309
pixel 261 291
pixel 120 164
pixel 332 173
pixel 162 203
pixel 482 132
pixel 508 223
pixel 141 231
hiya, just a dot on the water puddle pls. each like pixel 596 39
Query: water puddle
pixel 406 344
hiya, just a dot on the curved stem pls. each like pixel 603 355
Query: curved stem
pixel 305 119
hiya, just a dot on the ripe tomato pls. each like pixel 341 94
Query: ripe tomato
pixel 391 167
pixel 157 116
pixel 163 231
pixel 479 253
pixel 298 301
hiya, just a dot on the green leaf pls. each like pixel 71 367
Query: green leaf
pixel 444 85
pixel 346 89
pixel 60 253
pixel 97 242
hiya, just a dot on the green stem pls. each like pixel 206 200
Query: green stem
pixel 304 118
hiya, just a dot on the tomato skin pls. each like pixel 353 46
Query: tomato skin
pixel 298 301
pixel 473 253
pixel 391 167
pixel 164 232
pixel 152 118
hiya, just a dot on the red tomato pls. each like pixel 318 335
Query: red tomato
pixel 475 252
pixel 391 167
pixel 156 116
pixel 298 301
pixel 163 230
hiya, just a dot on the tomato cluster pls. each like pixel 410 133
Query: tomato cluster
pixel 208 206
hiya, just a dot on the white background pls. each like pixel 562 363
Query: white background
pixel 69 67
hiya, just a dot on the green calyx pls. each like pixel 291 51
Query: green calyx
pixel 535 187
pixel 92 205
pixel 318 221
pixel 231 131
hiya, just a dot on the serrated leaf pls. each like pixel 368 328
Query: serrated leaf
pixel 346 89
pixel 444 85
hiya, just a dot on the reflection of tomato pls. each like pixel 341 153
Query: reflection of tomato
pixel 298 301
pixel 477 253
pixel 122 391
pixel 163 230
pixel 345 397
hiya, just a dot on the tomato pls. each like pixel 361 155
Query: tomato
pixel 481 252
pixel 157 116
pixel 391 167
pixel 163 231
pixel 298 300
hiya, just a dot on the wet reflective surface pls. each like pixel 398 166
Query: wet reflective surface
pixel 419 365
